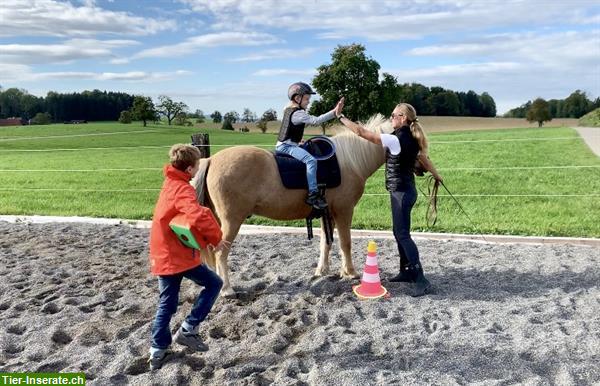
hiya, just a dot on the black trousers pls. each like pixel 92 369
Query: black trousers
pixel 402 204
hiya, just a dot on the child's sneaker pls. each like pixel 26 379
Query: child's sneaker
pixel 190 339
pixel 157 359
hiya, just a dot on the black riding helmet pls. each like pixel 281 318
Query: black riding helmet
pixel 299 88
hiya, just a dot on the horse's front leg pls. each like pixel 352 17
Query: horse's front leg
pixel 324 249
pixel 343 226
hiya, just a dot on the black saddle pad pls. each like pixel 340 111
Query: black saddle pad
pixel 293 172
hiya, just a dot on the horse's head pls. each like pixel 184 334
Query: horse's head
pixel 358 154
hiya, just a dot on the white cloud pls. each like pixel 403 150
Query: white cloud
pixel 54 18
pixel 68 51
pixel 195 43
pixel 285 72
pixel 570 46
pixel 468 69
pixel 276 54
pixel 391 20
pixel 22 73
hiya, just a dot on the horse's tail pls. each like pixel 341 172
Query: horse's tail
pixel 199 182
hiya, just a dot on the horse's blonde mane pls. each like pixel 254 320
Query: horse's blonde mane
pixel 358 154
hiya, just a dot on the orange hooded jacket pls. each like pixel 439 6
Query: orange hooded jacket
pixel 168 255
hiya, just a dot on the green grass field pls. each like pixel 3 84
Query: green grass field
pixel 82 170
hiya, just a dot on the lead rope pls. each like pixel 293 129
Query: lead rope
pixel 432 197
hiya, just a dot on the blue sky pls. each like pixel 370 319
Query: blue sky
pixel 230 54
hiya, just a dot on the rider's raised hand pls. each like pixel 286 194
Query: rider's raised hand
pixel 339 107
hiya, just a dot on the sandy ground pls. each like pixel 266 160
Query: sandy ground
pixel 78 297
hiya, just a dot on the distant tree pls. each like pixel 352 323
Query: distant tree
pixel 181 119
pixel 143 109
pixel 269 115
pixel 518 112
pixel 389 94
pixel 169 108
pixel 216 117
pixel 125 116
pixel 473 104
pixel 353 75
pixel 445 103
pixel 10 102
pixel 577 104
pixel 539 112
pixel 248 116
pixel 417 95
pixel 488 105
pixel 231 116
pixel 227 125
pixel 262 125
pixel 41 119
pixel 199 115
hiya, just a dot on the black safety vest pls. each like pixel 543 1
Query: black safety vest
pixel 399 168
pixel 288 130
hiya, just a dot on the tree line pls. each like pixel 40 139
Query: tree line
pixel 356 77
pixel 93 105
pixel 350 74
pixel 575 105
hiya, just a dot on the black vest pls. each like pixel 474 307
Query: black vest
pixel 399 168
pixel 288 130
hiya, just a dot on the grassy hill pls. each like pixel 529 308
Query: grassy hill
pixel 591 119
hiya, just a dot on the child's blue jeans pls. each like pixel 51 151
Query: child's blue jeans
pixel 302 155
pixel 169 298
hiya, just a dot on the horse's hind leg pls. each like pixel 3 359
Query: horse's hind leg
pixel 323 265
pixel 230 230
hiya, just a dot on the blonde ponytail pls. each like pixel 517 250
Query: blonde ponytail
pixel 415 127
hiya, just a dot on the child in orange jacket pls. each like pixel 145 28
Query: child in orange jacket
pixel 171 261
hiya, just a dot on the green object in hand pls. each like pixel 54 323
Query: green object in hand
pixel 184 232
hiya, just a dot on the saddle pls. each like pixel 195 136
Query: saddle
pixel 293 176
pixel 293 172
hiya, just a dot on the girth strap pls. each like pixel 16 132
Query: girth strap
pixel 325 219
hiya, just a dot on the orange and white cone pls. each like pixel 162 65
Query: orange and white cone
pixel 370 285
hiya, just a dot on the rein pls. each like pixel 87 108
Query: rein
pixel 432 196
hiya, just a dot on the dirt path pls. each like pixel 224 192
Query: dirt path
pixel 591 136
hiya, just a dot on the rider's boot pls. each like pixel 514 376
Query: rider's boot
pixel 315 200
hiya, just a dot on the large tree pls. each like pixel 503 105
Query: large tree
pixel 353 75
pixel 539 112
pixel 169 108
pixel 143 109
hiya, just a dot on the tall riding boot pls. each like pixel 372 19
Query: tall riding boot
pixel 406 275
pixel 422 285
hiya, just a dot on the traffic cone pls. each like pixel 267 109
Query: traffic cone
pixel 370 285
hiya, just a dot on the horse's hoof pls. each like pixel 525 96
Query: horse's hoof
pixel 228 293
pixel 321 272
pixel 349 275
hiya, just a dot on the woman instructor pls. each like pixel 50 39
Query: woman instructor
pixel 403 147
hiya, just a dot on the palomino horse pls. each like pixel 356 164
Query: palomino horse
pixel 243 180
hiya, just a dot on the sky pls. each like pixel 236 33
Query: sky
pixel 231 54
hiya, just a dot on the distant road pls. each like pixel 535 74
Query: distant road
pixel 591 136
